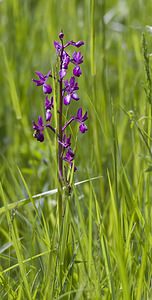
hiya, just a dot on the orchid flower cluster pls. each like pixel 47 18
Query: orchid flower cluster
pixel 68 89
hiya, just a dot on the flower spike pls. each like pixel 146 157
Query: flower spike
pixel 68 91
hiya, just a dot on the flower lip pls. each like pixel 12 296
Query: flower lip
pixel 48 115
pixel 39 127
pixel 74 96
pixel 47 89
pixel 79 44
pixel 39 136
pixel 83 128
pixel 77 71
pixel 67 99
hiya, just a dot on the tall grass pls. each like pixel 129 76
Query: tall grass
pixel 104 247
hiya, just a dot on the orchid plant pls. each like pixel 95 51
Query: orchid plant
pixel 68 91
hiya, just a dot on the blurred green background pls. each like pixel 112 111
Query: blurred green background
pixel 112 90
pixel 112 71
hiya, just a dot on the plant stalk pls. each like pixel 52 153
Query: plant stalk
pixel 60 148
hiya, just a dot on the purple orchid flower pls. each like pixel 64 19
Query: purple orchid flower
pixel 48 106
pixel 48 103
pixel 47 89
pixel 66 141
pixel 77 71
pixel 77 58
pixel 69 157
pixel 39 127
pixel 65 63
pixel 70 87
pixel 81 119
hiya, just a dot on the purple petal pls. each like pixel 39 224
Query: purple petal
pixel 65 60
pixel 48 103
pixel 83 128
pixel 72 81
pixel 40 75
pixel 76 86
pixel 70 152
pixel 77 71
pixel 47 75
pixel 85 117
pixel 48 115
pixel 62 73
pixel 66 142
pixel 79 44
pixel 75 96
pixel 39 126
pixel 69 156
pixel 67 99
pixel 57 46
pixel 40 121
pixel 39 136
pixel 38 82
pixel 77 58
pixel 35 126
pixel 66 83
pixel 68 139
pixel 79 113
pixel 47 89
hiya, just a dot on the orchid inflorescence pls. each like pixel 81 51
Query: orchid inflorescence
pixel 68 91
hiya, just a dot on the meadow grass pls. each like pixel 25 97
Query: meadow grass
pixel 104 247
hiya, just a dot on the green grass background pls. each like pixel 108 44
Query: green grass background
pixel 105 246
